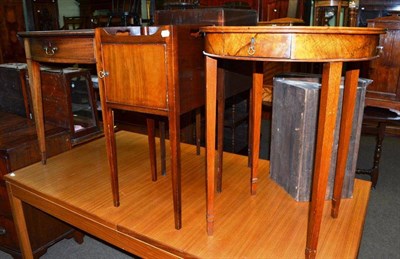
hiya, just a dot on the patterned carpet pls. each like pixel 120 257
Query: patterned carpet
pixel 381 237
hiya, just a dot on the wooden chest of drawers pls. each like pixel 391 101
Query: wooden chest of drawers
pixel 19 148
pixel 13 89
pixel 385 70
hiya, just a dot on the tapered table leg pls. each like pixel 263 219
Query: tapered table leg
pixel 256 101
pixel 250 128
pixel 152 147
pixel 330 91
pixel 220 125
pixel 161 125
pixel 111 147
pixel 109 135
pixel 211 99
pixel 346 125
pixel 174 137
pixel 198 130
pixel 20 224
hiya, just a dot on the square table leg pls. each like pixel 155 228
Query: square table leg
pixel 20 224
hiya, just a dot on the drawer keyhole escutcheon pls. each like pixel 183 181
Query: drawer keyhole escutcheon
pixel 252 48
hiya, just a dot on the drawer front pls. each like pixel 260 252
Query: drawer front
pixel 249 45
pixel 5 209
pixel 8 235
pixel 295 46
pixel 308 47
pixel 63 50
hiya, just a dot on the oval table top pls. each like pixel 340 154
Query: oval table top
pixel 292 43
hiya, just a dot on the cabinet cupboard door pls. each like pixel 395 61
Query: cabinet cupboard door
pixel 271 10
pixel 385 70
pixel 146 84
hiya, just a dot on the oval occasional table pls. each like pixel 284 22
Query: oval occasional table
pixel 331 46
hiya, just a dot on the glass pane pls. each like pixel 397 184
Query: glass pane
pixel 82 107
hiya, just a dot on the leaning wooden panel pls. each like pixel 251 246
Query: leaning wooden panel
pixel 293 131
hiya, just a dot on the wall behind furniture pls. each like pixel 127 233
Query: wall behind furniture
pixel 11 21
pixel 67 8
pixel 292 8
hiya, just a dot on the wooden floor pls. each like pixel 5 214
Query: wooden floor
pixel 268 225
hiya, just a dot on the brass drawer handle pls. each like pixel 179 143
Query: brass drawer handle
pixel 50 51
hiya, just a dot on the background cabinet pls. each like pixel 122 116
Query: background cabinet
pixel 273 9
pixel 267 9
pixel 88 7
pixel 251 4
pixel 385 70
pixel 45 14
pixel 19 148
pixel 237 78
pixel 11 21
pixel 371 9
pixel 41 15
